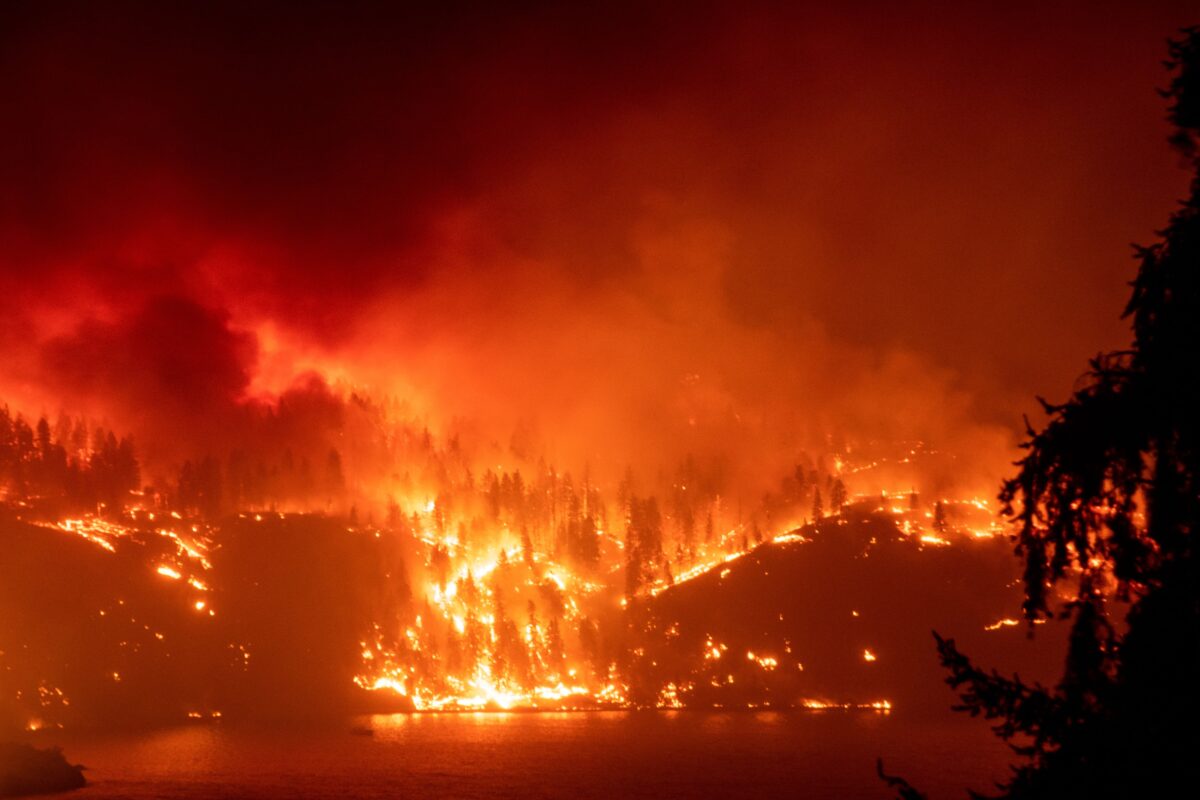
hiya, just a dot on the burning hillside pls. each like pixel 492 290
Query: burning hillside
pixel 254 587
pixel 368 359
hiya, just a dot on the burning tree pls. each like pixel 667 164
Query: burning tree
pixel 1107 500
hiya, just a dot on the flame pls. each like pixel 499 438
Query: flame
pixel 498 616
pixel 1002 623
pixel 467 605
pixel 882 706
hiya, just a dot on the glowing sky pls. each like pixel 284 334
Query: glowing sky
pixel 593 219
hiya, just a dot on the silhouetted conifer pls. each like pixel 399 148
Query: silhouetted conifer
pixel 1107 500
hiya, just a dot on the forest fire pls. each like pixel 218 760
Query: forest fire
pixel 548 399
pixel 504 593
pixel 471 613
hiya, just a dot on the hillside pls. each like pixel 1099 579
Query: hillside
pixel 839 613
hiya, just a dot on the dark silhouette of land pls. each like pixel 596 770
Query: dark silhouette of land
pixel 1107 500
pixel 26 770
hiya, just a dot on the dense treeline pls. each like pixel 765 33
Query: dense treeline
pixel 663 524
pixel 68 463
pixel 403 516
pixel 316 452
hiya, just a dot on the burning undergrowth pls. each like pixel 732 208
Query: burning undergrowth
pixel 450 580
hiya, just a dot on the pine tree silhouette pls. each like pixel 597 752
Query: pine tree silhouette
pixel 1107 504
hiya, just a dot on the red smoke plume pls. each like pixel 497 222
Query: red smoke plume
pixel 609 224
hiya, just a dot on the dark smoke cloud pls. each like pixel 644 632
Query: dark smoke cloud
pixel 172 370
pixel 640 227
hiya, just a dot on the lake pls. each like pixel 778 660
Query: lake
pixel 649 754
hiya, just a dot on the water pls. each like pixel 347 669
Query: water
pixel 570 755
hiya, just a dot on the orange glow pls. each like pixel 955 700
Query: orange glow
pixel 511 607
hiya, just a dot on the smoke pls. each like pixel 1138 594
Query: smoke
pixel 627 236
pixel 169 367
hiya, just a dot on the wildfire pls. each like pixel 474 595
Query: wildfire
pixel 1003 623
pixel 882 706
pixel 1008 622
pixel 472 649
pixel 766 662
pixel 97 531
pixel 508 582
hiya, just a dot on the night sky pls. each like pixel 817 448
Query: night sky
pixel 881 221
